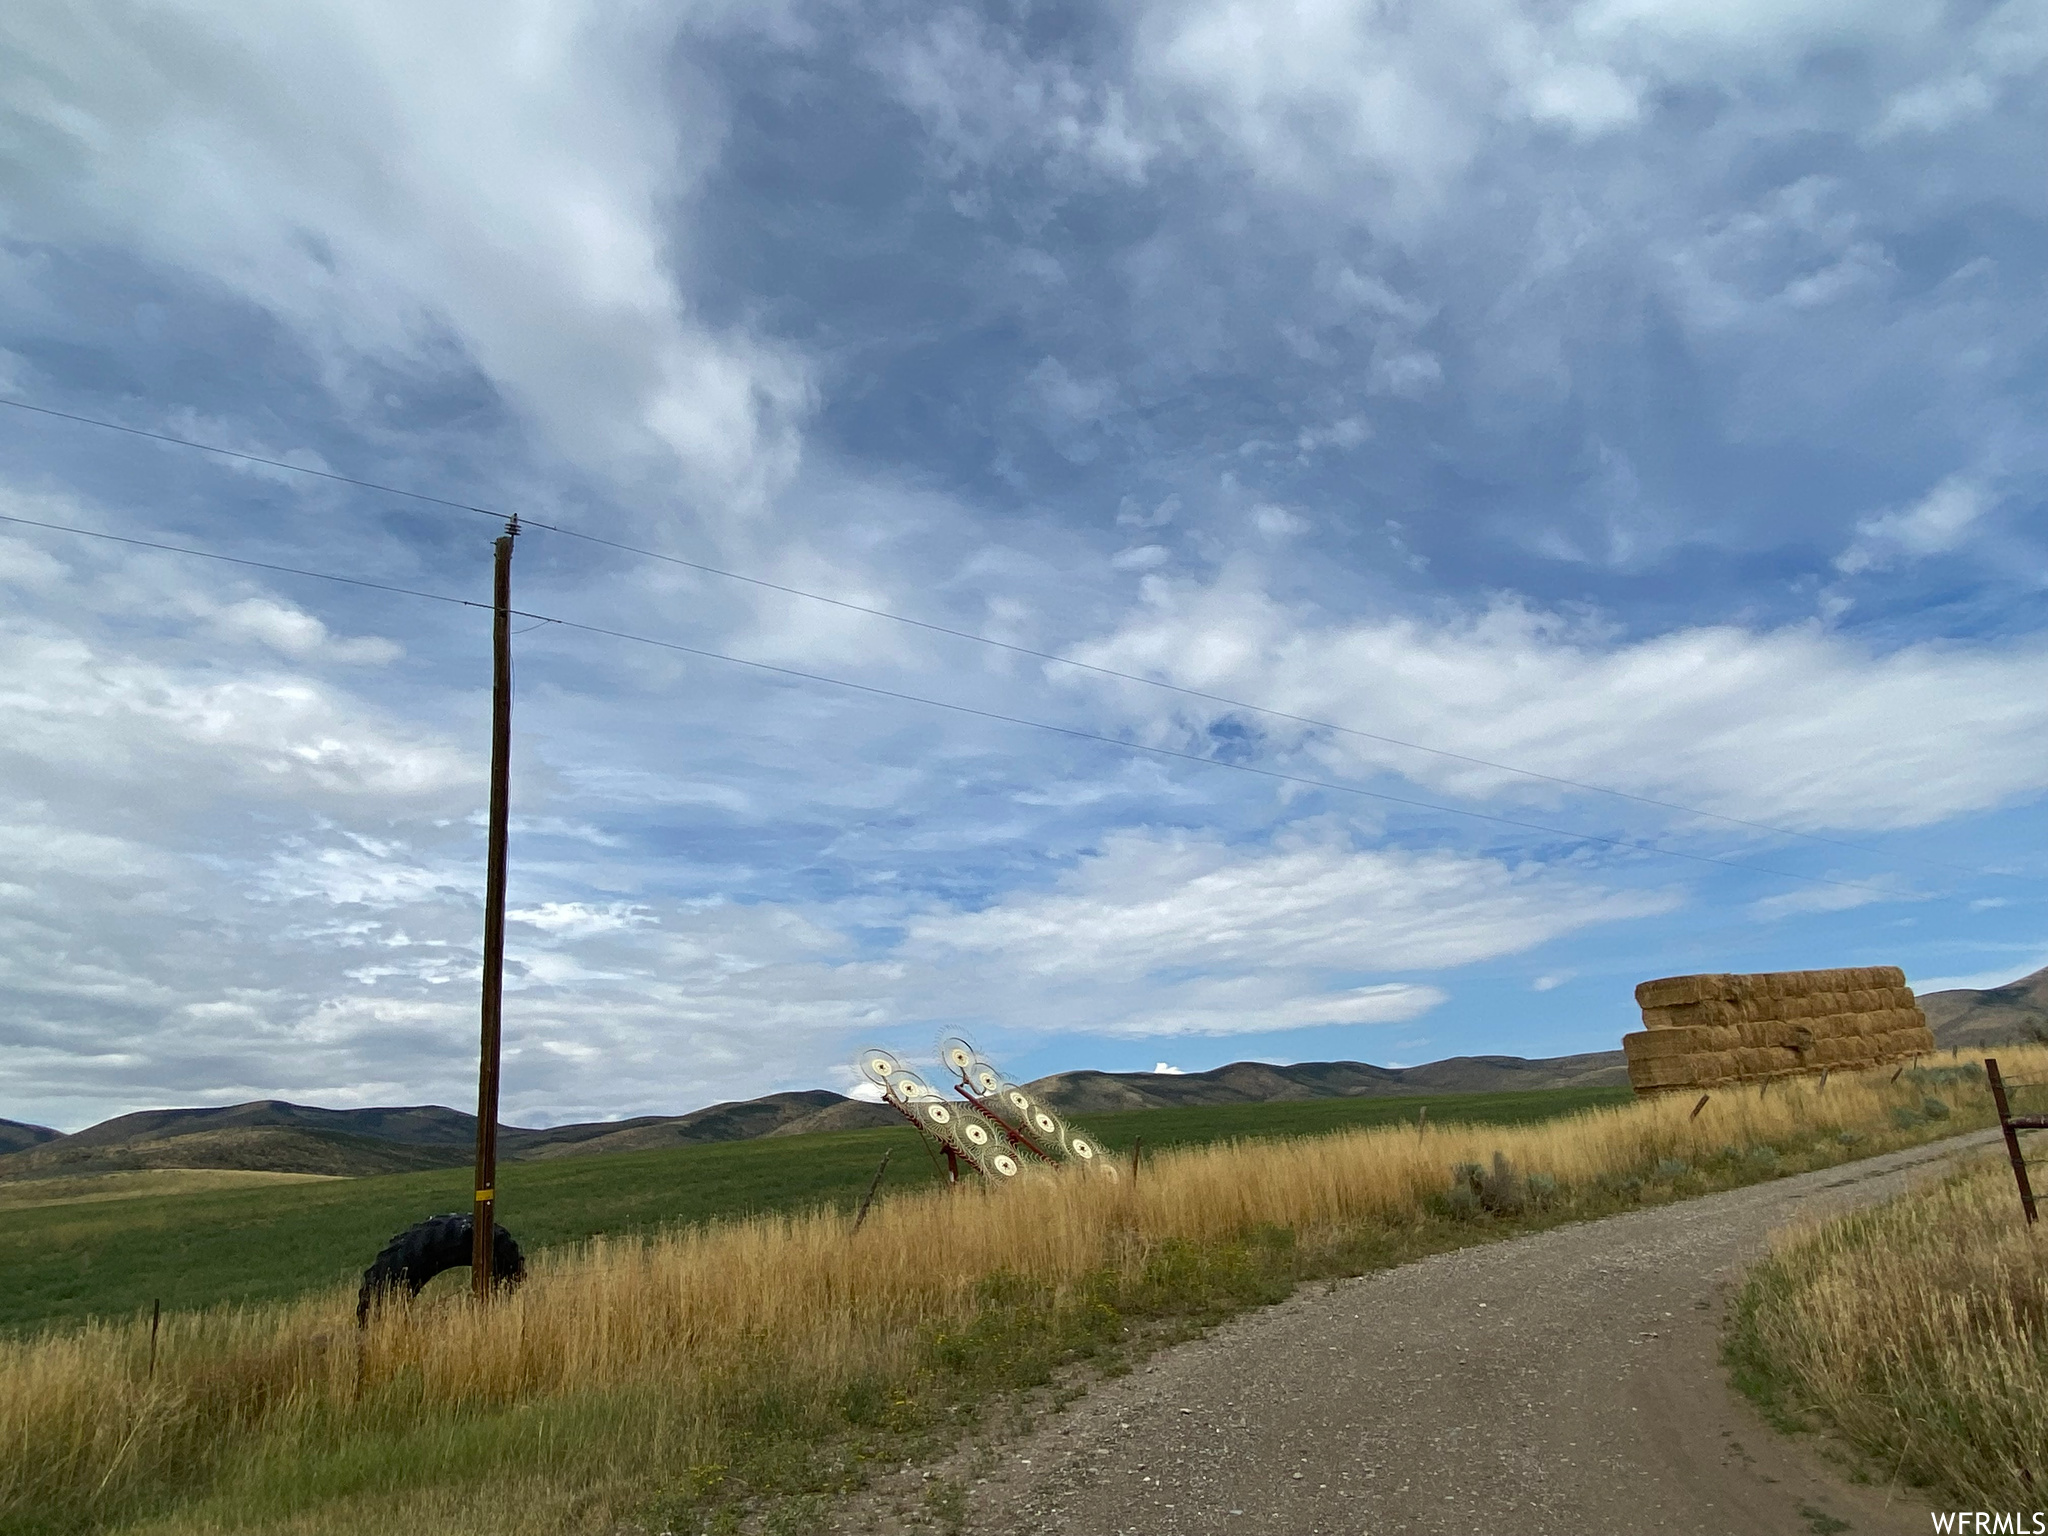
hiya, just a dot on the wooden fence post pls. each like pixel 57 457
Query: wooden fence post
pixel 874 1184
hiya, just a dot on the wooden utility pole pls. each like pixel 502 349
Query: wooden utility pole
pixel 494 917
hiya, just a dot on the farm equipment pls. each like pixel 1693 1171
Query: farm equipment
pixel 992 1125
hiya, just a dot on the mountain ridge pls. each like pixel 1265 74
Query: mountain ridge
pixel 1963 1018
pixel 19 1135
pixel 278 1136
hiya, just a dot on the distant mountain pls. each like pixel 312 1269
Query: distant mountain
pixel 776 1114
pixel 265 1148
pixel 14 1135
pixel 274 1136
pixel 427 1125
pixel 1253 1082
pixel 2016 1013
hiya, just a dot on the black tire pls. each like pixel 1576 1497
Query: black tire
pixel 421 1252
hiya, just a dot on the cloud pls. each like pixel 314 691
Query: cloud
pixel 293 632
pixel 1277 522
pixel 1500 376
pixel 1167 933
pixel 1936 524
pixel 1826 898
pixel 985 102
pixel 1731 720
pixel 483 191
pixel 580 919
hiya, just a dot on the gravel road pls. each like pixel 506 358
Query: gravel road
pixel 1568 1382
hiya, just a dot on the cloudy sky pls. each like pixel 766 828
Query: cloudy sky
pixel 1579 464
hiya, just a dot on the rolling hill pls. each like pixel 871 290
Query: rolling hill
pixel 1255 1082
pixel 2012 1014
pixel 15 1135
pixel 257 1148
pixel 271 1135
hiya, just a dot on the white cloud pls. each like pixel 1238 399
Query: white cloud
pixel 115 717
pixel 1164 1070
pixel 1277 522
pixel 1346 433
pixel 391 184
pixel 985 103
pixel 1793 725
pixel 1168 933
pixel 1798 247
pixel 1935 524
pixel 580 919
pixel 1825 898
pixel 293 632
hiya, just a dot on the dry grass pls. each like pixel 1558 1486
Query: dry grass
pixel 626 1370
pixel 1919 1331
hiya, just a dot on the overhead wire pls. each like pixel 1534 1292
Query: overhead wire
pixel 259 565
pixel 998 716
pixel 987 640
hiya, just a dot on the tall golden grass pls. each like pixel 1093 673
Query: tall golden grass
pixel 699 1319
pixel 1920 1331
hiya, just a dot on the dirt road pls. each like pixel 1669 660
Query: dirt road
pixel 1565 1383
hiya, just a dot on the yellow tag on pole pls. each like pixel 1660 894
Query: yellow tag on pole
pixel 487 1194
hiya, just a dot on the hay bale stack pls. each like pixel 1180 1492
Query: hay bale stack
pixel 1704 1031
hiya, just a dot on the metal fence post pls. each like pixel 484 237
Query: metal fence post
pixel 2012 1137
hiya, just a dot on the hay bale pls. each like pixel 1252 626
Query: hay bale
pixel 1784 984
pixel 1656 1044
pixel 1674 991
pixel 1839 1026
pixel 1764 1060
pixel 1845 1052
pixel 1661 1072
pixel 1710 1029
pixel 1905 1042
pixel 1693 1015
pixel 1702 1069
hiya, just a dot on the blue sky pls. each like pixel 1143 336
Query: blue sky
pixel 1646 396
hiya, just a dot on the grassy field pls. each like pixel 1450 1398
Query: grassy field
pixel 1163 1128
pixel 742 1374
pixel 141 1184
pixel 203 1244
pixel 1919 1332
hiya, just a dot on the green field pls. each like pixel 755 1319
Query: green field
pixel 62 1263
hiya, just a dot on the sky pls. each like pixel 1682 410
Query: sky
pixel 1352 531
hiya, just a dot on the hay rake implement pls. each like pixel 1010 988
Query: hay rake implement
pixel 992 1125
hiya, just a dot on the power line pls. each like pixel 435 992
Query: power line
pixel 983 714
pixel 1003 645
pixel 259 565
pixel 253 458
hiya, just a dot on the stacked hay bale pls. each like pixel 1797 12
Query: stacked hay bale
pixel 1701 1031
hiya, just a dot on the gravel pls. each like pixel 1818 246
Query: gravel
pixel 1567 1382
